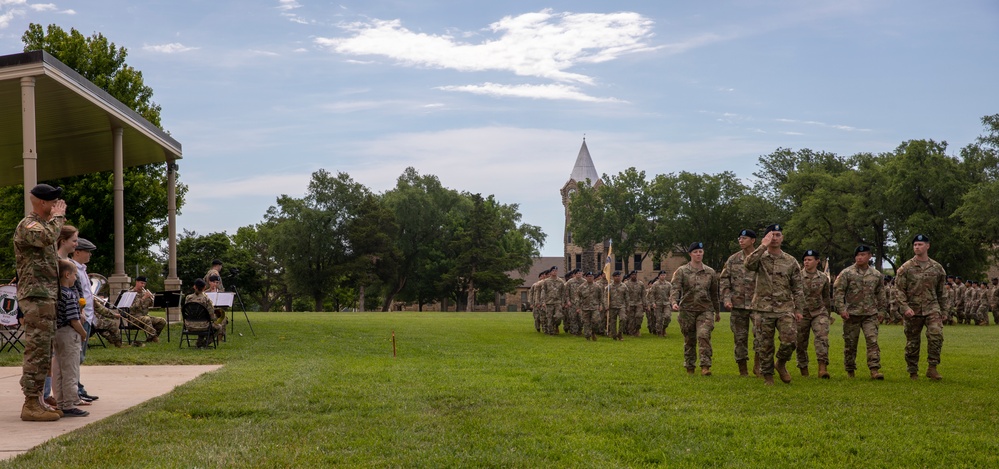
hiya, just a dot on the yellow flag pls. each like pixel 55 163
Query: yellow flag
pixel 610 259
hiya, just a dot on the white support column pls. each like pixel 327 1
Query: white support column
pixel 119 280
pixel 28 139
pixel 172 282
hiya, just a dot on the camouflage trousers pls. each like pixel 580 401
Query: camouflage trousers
pixel 553 318
pixel 662 315
pixel 983 314
pixel 650 320
pixel 591 319
pixel 817 322
pixel 634 321
pixel 539 317
pixel 573 320
pixel 934 340
pixel 109 330
pixel 780 324
pixel 39 333
pixel 696 328
pixel 740 322
pixel 150 322
pixel 612 318
pixel 851 335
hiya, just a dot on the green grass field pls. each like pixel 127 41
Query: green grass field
pixel 485 389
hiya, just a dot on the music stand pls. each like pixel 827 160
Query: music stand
pixel 166 300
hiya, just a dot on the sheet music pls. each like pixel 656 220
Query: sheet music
pixel 221 299
pixel 126 299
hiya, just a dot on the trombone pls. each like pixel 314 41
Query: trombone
pixel 97 282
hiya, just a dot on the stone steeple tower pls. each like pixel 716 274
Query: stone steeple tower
pixel 581 257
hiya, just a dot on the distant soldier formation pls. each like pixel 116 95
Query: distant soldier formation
pixel 783 302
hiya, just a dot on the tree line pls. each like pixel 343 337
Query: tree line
pixel 826 202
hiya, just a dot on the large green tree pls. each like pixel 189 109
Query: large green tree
pixel 90 197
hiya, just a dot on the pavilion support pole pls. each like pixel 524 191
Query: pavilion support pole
pixel 119 280
pixel 172 282
pixel 29 143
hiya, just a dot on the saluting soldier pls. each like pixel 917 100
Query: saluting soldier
pixel 37 291
pixel 859 297
pixel 816 315
pixel 737 284
pixel 778 298
pixel 920 293
pixel 695 297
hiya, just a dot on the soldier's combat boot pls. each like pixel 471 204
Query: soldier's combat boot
pixel 690 371
pixel 914 376
pixel 782 371
pixel 743 369
pixel 823 371
pixel 875 374
pixel 850 374
pixel 756 366
pixel 804 371
pixel 768 380
pixel 705 371
pixel 32 411
pixel 931 373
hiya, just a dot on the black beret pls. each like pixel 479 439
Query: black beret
pixel 214 278
pixel 774 227
pixel 141 278
pixel 85 245
pixel 950 276
pixel 748 233
pixel 694 246
pixel 199 283
pixel 661 272
pixel 810 253
pixel 217 262
pixel 921 237
pixel 46 192
pixel 617 273
pixel 861 249
pixel 554 268
pixel 588 274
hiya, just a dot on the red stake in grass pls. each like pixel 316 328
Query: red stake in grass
pixel 393 344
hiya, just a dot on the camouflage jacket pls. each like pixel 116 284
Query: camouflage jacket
pixel 552 291
pixel 140 307
pixel 818 295
pixel 636 294
pixel 207 303
pixel 36 257
pixel 958 296
pixel 737 283
pixel 778 282
pixel 589 297
pixel 571 287
pixel 533 293
pixel 859 293
pixel 695 290
pixel 920 286
pixel 615 296
pixel 659 294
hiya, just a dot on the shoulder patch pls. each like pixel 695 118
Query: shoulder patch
pixel 31 225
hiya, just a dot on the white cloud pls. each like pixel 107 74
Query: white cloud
pixel 288 5
pixel 552 91
pixel 846 128
pixel 264 53
pixel 171 48
pixel 43 6
pixel 10 9
pixel 543 44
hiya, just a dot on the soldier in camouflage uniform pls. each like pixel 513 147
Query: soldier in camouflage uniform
pixel 816 315
pixel 982 313
pixel 553 298
pixel 969 302
pixel 659 302
pixel 140 310
pixel 588 300
pixel 737 284
pixel 615 303
pixel 695 297
pixel 958 299
pixel 949 301
pixel 636 304
pixel 920 292
pixel 858 295
pixel 778 298
pixel 216 269
pixel 574 322
pixel 994 301
pixel 37 291
pixel 650 315
pixel 534 299
pixel 600 326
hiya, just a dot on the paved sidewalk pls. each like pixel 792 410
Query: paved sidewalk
pixel 119 387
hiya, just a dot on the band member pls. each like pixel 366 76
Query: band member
pixel 215 270
pixel 140 311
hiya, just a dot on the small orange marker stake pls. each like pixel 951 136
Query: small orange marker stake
pixel 393 344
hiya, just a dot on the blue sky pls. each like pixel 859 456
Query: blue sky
pixel 495 97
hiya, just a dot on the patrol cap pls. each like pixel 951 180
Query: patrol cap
pixel 774 227
pixel 861 249
pixel 748 233
pixel 46 192
pixel 82 244
pixel 695 246
pixel 922 238
pixel 141 278
pixel 810 253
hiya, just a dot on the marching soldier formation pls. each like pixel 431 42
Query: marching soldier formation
pixel 781 301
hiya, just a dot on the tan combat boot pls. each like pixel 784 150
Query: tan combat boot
pixel 931 373
pixel 690 372
pixel 804 371
pixel 850 374
pixel 823 371
pixel 743 369
pixel 768 380
pixel 875 374
pixel 705 371
pixel 756 366
pixel 782 371
pixel 914 376
pixel 32 411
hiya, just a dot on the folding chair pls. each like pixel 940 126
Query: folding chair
pixel 197 321
pixel 10 338
pixel 130 332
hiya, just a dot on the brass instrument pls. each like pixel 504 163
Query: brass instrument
pixel 97 282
